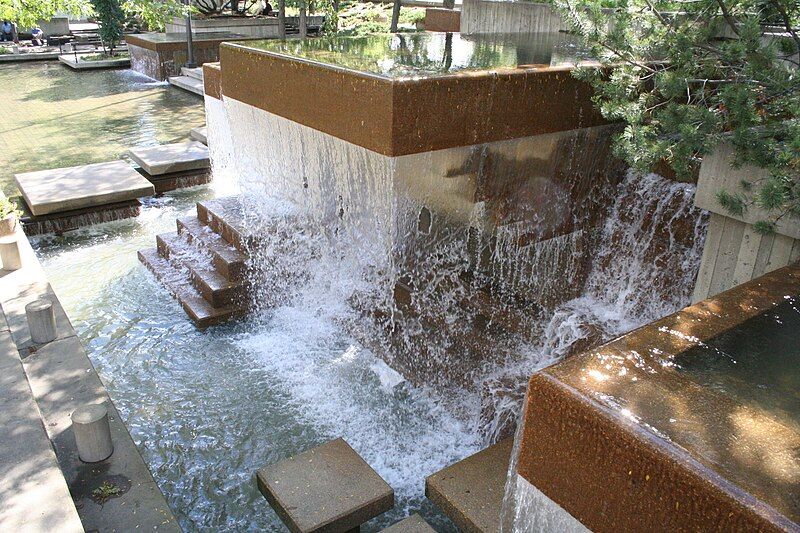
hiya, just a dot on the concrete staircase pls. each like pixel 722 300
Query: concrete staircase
pixel 191 79
pixel 203 263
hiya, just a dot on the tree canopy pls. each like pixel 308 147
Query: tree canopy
pixel 687 75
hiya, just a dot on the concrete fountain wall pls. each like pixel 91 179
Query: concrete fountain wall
pixel 658 431
pixel 498 174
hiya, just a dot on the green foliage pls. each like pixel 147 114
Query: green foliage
pixel 106 491
pixel 4 50
pixel 153 14
pixel 357 19
pixel 8 208
pixel 111 18
pixel 27 14
pixel 685 76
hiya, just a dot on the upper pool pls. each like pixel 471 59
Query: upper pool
pixel 430 54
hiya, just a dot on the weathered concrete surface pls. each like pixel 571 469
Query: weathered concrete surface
pixel 62 378
pixel 67 189
pixel 81 64
pixel 413 524
pixel 166 158
pixel 471 491
pixel 33 493
pixel 200 134
pixel 327 488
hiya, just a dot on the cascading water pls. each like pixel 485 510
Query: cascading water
pixel 645 268
pixel 353 272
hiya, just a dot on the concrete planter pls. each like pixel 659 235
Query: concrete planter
pixel 82 64
pixel 734 252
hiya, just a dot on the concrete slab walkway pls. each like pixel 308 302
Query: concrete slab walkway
pixel 59 377
pixel 33 492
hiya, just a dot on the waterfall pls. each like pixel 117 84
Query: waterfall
pixel 644 267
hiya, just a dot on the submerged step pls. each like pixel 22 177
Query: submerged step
pixel 196 72
pixel 228 261
pixel 327 488
pixel 216 290
pixel 226 218
pixel 470 492
pixel 180 286
pixel 413 524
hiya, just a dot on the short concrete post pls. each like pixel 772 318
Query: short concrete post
pixel 92 433
pixel 41 320
pixel 9 254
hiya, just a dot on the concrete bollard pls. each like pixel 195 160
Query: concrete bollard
pixel 9 255
pixel 41 320
pixel 92 433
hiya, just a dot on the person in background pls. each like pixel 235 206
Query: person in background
pixel 267 11
pixel 6 31
pixel 37 36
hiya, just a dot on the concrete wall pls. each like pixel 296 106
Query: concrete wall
pixel 734 252
pixel 491 16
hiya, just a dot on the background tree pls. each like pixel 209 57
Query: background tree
pixel 27 14
pixel 687 75
pixel 111 19
pixel 395 16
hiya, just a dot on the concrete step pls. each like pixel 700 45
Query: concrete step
pixel 180 286
pixel 215 289
pixel 187 83
pixel 196 73
pixel 225 217
pixel 200 134
pixel 227 260
pixel 470 492
pixel 413 524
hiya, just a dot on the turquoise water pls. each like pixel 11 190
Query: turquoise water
pixel 208 408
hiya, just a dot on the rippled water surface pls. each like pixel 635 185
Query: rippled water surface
pixel 52 116
pixel 207 408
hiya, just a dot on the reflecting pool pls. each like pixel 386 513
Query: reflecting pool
pixel 53 116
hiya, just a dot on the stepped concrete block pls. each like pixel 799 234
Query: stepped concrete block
pixel 71 188
pixel 167 158
pixel 200 134
pixel 178 180
pixel 225 217
pixel 196 72
pixel 470 492
pixel 216 290
pixel 180 286
pixel 328 488
pixel 413 524
pixel 228 261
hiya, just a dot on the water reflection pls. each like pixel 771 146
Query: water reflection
pixel 430 54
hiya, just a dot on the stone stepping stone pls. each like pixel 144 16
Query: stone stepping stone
pixel 470 492
pixel 68 189
pixel 171 158
pixel 413 524
pixel 327 488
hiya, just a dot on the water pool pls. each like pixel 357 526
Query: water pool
pixel 53 116
pixel 207 408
